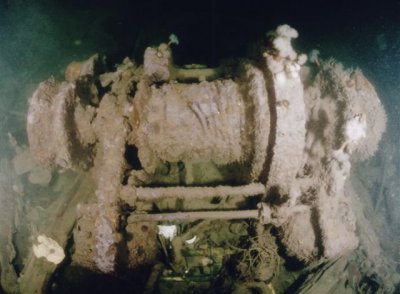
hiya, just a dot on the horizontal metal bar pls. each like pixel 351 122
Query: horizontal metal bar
pixel 194 215
pixel 151 194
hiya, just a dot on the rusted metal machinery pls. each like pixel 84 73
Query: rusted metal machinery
pixel 155 132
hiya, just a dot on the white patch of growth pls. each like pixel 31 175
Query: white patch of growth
pixel 301 59
pixel 283 41
pixel 191 241
pixel 280 78
pixel 49 249
pixel 356 128
pixel 168 232
pixel 284 63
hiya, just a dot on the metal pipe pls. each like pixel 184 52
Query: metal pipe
pixel 194 215
pixel 150 194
